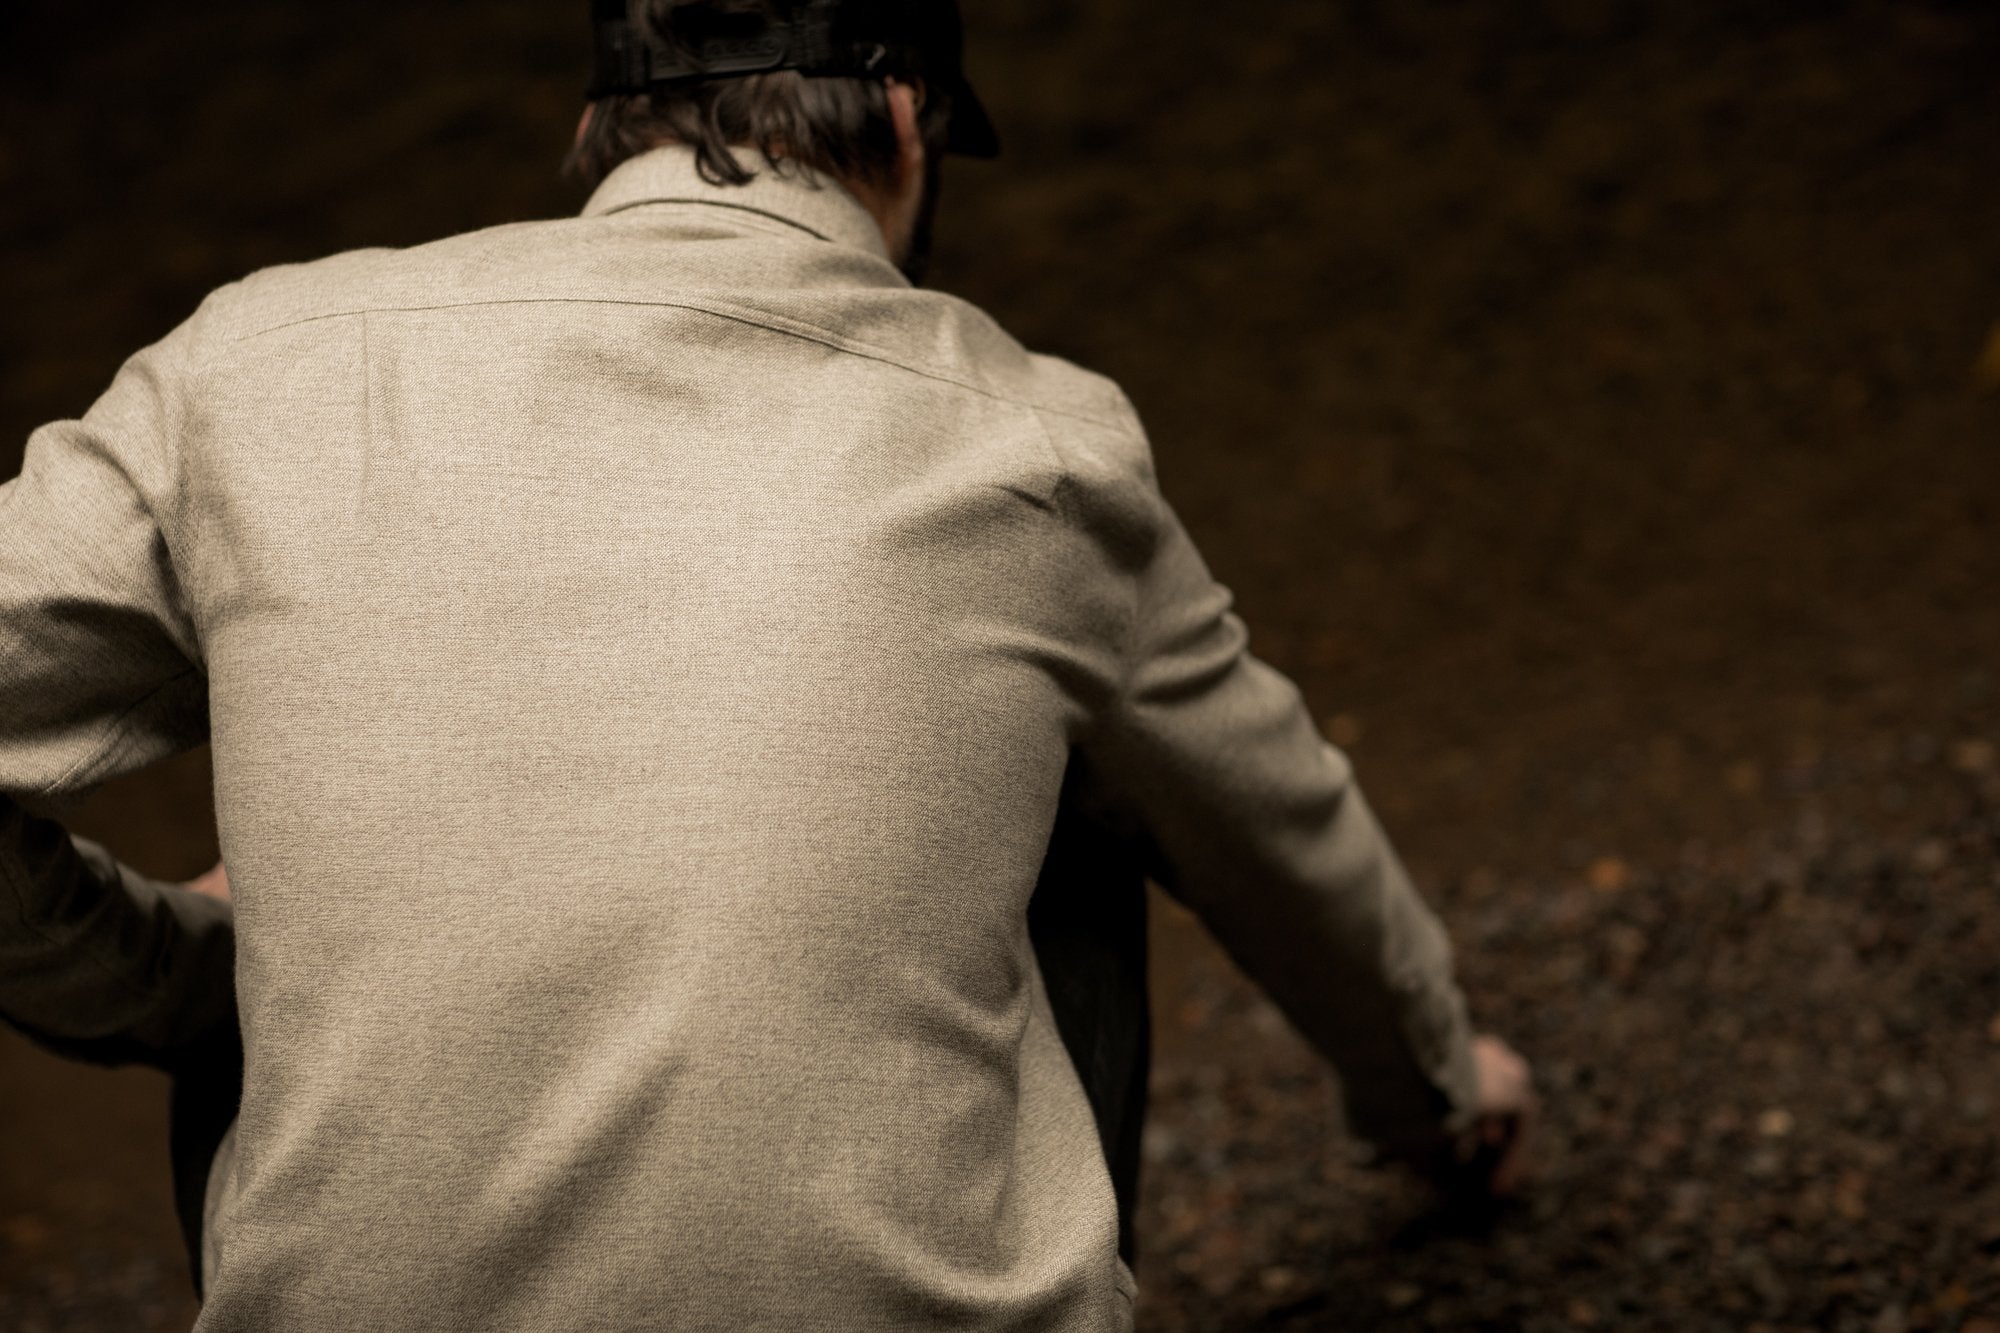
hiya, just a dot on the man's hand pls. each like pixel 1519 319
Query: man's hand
pixel 1493 1156
pixel 215 883
pixel 1489 1161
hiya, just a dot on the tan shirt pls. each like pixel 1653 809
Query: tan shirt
pixel 642 654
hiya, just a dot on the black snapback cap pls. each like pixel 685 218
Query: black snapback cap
pixel 861 39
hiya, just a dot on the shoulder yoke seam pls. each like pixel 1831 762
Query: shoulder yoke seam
pixel 719 310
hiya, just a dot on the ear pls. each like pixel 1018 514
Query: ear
pixel 904 100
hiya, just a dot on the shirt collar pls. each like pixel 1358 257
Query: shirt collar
pixel 667 175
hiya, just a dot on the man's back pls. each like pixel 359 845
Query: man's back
pixel 643 656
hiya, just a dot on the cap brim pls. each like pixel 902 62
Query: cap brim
pixel 971 133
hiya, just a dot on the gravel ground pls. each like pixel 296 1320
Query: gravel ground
pixel 1771 1072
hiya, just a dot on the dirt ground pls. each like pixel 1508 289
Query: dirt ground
pixel 1594 405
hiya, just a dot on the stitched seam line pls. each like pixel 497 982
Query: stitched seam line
pixel 718 310
pixel 715 203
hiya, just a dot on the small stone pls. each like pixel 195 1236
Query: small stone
pixel 1850 1196
pixel 1344 730
pixel 1763 1279
pixel 1930 857
pixel 1402 1295
pixel 1993 1030
pixel 1744 779
pixel 1608 874
pixel 1625 947
pixel 1986 369
pixel 1583 1314
pixel 23 1231
pixel 1657 1251
pixel 1974 755
pixel 1688 1200
pixel 1278 1279
pixel 1775 1123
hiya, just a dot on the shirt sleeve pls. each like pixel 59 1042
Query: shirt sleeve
pixel 1254 822
pixel 100 674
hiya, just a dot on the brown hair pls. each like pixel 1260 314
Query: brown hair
pixel 799 123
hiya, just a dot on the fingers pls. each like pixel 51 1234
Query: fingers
pixel 1515 1165
pixel 213 884
pixel 1506 1087
pixel 1504 1133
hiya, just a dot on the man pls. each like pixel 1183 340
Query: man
pixel 653 660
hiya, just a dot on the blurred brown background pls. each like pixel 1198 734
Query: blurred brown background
pixel 1593 405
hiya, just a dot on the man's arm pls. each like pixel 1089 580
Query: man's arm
pixel 100 674
pixel 1253 820
pixel 114 968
